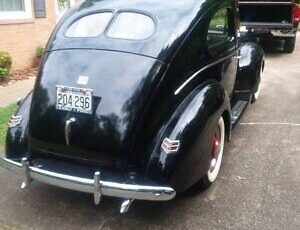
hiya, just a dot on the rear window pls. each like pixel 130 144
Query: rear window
pixel 133 26
pixel 89 26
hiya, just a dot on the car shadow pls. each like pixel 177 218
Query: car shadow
pixel 54 204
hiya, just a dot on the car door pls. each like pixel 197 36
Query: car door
pixel 222 45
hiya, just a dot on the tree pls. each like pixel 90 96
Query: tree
pixel 63 3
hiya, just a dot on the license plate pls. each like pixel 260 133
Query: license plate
pixel 74 99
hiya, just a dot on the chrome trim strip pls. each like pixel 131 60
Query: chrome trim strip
pixel 264 3
pixel 88 185
pixel 68 125
pixel 201 70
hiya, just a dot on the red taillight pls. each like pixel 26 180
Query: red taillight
pixel 296 13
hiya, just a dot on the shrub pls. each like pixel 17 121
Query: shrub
pixel 5 64
pixel 3 73
pixel 39 51
pixel 5 60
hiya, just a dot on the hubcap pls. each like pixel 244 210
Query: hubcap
pixel 214 151
pixel 217 149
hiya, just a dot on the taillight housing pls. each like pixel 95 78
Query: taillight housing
pixel 296 13
pixel 170 146
pixel 15 121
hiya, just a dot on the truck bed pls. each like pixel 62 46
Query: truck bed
pixel 266 14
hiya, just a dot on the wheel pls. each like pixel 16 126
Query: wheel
pixel 218 142
pixel 256 93
pixel 289 45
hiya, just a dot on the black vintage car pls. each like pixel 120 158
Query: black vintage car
pixel 135 99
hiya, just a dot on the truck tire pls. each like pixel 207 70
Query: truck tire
pixel 289 45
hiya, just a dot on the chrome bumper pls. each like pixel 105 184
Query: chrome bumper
pixel 283 34
pixel 94 185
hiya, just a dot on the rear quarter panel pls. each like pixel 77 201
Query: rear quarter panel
pixel 192 124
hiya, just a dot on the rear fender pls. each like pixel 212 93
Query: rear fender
pixel 16 139
pixel 192 125
pixel 250 66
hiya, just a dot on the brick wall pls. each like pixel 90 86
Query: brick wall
pixel 21 37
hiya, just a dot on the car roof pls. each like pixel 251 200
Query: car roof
pixel 173 18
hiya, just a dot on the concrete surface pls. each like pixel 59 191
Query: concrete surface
pixel 11 93
pixel 258 186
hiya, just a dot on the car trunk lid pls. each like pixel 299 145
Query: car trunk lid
pixel 120 83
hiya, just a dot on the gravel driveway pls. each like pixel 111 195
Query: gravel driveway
pixel 258 187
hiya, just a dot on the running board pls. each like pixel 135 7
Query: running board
pixel 237 111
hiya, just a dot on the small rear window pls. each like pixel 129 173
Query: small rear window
pixel 133 26
pixel 89 26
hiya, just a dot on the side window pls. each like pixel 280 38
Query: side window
pixel 218 30
pixel 219 23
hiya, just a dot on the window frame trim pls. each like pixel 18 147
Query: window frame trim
pixel 15 15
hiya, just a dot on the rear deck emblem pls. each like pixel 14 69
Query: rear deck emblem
pixel 83 80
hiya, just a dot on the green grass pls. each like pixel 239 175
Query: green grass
pixel 5 114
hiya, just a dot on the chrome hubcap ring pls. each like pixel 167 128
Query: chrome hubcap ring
pixel 217 151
